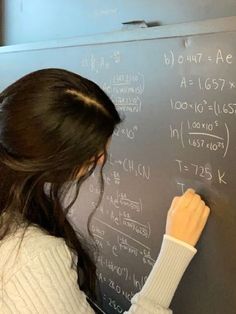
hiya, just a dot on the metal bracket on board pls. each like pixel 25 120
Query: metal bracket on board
pixel 139 24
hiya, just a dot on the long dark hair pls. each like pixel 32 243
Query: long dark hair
pixel 53 125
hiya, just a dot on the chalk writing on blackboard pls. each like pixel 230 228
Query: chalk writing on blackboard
pixel 220 57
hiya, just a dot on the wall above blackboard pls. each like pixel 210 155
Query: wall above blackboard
pixel 58 19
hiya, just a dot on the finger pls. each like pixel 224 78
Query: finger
pixel 198 212
pixel 174 202
pixel 173 205
pixel 204 218
pixel 187 197
pixel 201 207
pixel 206 212
pixel 195 203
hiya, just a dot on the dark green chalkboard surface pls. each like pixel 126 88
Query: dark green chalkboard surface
pixel 176 87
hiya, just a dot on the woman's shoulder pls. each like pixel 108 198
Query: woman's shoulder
pixel 23 246
pixel 30 239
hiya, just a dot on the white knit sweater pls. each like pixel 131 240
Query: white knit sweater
pixel 41 281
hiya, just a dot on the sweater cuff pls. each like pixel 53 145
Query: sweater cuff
pixel 161 284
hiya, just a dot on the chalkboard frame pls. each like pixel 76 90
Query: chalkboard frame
pixel 211 26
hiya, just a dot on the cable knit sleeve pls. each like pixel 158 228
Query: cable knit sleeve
pixel 162 282
pixel 45 285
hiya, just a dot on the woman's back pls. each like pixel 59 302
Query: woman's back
pixel 38 277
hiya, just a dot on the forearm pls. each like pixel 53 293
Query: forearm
pixel 161 284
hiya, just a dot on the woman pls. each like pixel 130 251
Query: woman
pixel 54 128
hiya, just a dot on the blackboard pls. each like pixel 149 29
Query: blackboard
pixel 176 87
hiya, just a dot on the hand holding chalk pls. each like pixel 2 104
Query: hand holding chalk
pixel 187 217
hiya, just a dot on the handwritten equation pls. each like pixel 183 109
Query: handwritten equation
pixel 219 57
pixel 202 136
